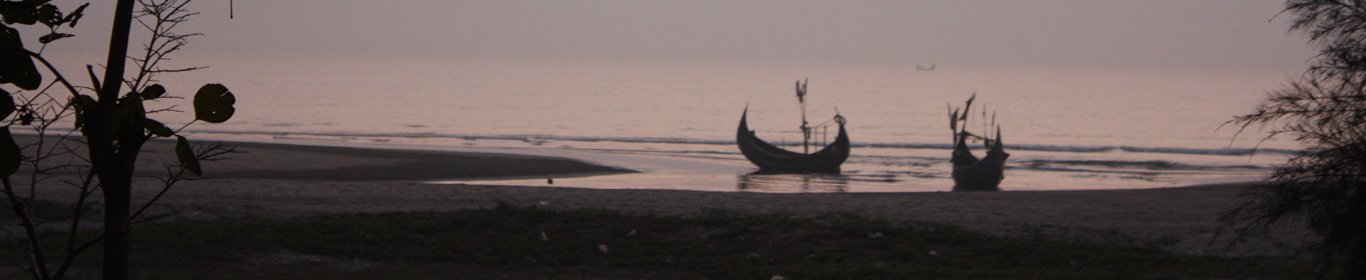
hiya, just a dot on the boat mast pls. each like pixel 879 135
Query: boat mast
pixel 806 130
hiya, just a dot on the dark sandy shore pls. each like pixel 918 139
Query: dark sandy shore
pixel 290 180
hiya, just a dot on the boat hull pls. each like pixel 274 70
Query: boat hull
pixel 772 159
pixel 972 174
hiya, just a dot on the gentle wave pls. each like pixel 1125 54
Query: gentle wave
pixel 696 141
pixel 1146 165
pixel 1081 165
pixel 1096 149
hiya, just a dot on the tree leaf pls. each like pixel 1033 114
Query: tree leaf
pixel 18 66
pixel 10 157
pixel 159 129
pixel 213 103
pixel 25 13
pixel 129 114
pixel 185 153
pixel 76 15
pixel 152 92
pixel 53 37
pixel 49 15
pixel 82 103
pixel 6 104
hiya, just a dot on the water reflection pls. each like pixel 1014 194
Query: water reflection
pixel 767 182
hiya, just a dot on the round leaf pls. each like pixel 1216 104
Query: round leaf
pixel 6 104
pixel 18 67
pixel 185 154
pixel 9 153
pixel 158 129
pixel 213 103
pixel 153 92
pixel 49 15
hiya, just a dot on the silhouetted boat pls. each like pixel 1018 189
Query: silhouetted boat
pixel 972 174
pixel 772 159
pixel 969 172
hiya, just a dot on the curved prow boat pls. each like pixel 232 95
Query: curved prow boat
pixel 772 159
pixel 972 174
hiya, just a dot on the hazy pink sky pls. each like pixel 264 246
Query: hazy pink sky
pixel 1176 35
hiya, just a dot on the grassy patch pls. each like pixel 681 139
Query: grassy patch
pixel 509 242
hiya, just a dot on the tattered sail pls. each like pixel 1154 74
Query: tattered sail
pixel 969 172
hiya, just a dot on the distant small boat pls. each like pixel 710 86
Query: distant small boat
pixel 772 159
pixel 918 67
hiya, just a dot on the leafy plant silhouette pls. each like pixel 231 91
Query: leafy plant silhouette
pixel 114 124
pixel 1325 109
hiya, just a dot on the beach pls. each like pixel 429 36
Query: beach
pixel 277 180
pixel 289 211
pixel 662 140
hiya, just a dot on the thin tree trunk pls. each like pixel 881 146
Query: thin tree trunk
pixel 115 177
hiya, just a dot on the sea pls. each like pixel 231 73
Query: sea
pixel 675 122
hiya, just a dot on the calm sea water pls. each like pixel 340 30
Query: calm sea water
pixel 1065 129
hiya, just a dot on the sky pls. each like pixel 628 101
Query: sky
pixel 1162 35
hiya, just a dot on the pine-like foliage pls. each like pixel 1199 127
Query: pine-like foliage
pixel 1325 110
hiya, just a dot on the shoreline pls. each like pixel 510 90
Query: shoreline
pixel 339 163
pixel 716 168
pixel 296 161
pixel 287 180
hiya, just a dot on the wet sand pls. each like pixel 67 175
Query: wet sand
pixel 273 180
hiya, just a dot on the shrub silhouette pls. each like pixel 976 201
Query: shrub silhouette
pixel 114 124
pixel 1325 109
